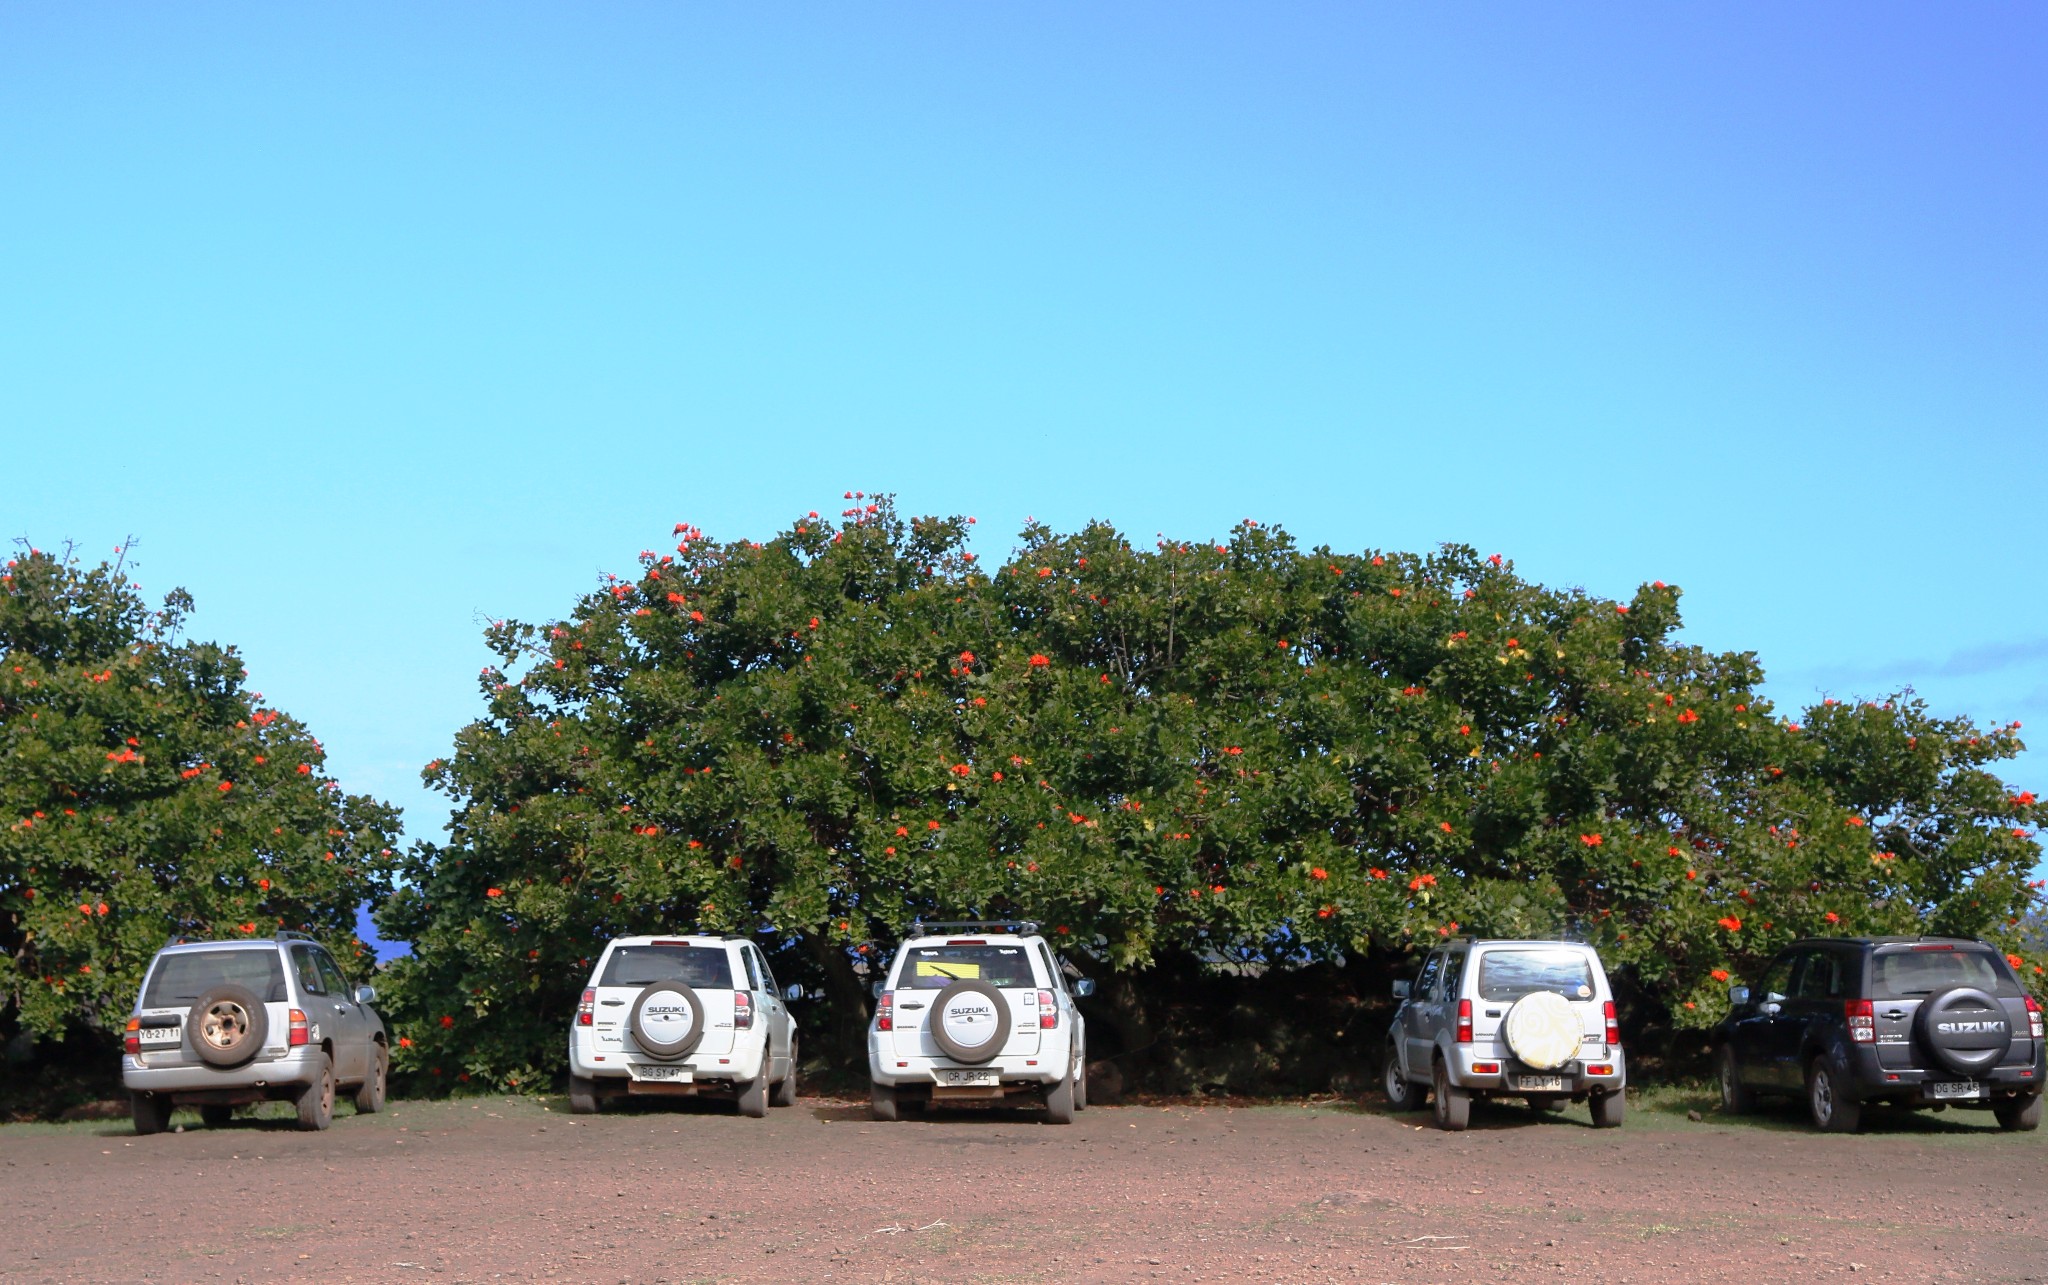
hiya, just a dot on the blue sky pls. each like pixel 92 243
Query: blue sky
pixel 375 323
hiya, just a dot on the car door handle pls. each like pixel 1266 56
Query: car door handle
pixel 1894 1014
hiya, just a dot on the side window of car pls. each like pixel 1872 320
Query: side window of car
pixel 1052 969
pixel 1454 973
pixel 330 973
pixel 761 962
pixel 1820 977
pixel 1425 981
pixel 753 978
pixel 1776 983
pixel 307 970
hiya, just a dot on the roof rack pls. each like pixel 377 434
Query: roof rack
pixel 1022 927
pixel 286 934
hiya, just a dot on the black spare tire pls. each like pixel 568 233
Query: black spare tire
pixel 667 1019
pixel 1964 1029
pixel 227 1025
pixel 970 1022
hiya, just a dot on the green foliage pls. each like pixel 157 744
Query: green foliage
pixel 144 792
pixel 1245 752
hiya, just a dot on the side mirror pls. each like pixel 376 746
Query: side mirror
pixel 1401 990
pixel 1084 987
pixel 792 992
pixel 1738 995
pixel 879 988
pixel 365 994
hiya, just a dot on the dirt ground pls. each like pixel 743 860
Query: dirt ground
pixel 490 1189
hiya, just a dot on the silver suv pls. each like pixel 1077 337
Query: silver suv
pixel 222 1023
pixel 1527 1019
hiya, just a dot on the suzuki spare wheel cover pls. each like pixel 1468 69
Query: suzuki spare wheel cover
pixel 667 1019
pixel 968 1021
pixel 1544 1030
pixel 1966 1029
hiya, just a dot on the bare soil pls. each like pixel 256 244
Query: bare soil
pixel 517 1189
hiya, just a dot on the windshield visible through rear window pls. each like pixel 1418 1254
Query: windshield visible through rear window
pixel 1511 974
pixel 183 976
pixel 1903 973
pixel 935 967
pixel 698 966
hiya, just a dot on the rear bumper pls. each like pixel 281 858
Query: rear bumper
pixel 740 1064
pixel 1489 1072
pixel 1870 1081
pixel 1047 1066
pixel 297 1069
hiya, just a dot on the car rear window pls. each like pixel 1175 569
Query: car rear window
pixel 934 967
pixel 1511 974
pixel 183 976
pixel 700 966
pixel 1902 974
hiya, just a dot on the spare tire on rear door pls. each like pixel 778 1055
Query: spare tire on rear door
pixel 1965 1030
pixel 970 1021
pixel 1544 1030
pixel 227 1025
pixel 667 1019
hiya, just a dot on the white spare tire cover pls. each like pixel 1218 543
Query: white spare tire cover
pixel 667 1019
pixel 967 1021
pixel 1544 1030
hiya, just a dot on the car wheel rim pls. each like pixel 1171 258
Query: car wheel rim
pixel 1823 1097
pixel 225 1025
pixel 1396 1087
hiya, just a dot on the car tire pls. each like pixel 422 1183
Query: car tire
pixel 882 1104
pixel 753 1099
pixel 1081 1082
pixel 1736 1098
pixel 654 1046
pixel 370 1093
pixel 1830 1111
pixel 1608 1109
pixel 1453 1104
pixel 227 1026
pixel 316 1100
pixel 785 1088
pixel 942 1033
pixel 1403 1094
pixel 1059 1100
pixel 152 1113
pixel 215 1115
pixel 582 1095
pixel 2021 1116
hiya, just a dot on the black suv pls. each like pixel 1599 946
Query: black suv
pixel 1910 1021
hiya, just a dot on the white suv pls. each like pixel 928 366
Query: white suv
pixel 1525 1019
pixel 978 1015
pixel 685 1016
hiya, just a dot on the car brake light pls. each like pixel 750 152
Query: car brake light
pixel 1464 1021
pixel 2033 1017
pixel 967 941
pixel 1486 1068
pixel 132 1041
pixel 586 1006
pixel 1940 947
pixel 1048 1016
pixel 1862 1020
pixel 298 1028
pixel 1612 1033
pixel 885 1012
pixel 742 1011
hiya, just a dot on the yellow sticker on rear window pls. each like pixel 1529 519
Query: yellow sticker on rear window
pixel 953 968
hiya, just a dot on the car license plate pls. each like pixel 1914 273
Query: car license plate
pixel 961 1079
pixel 1954 1089
pixel 159 1036
pixel 1540 1083
pixel 675 1074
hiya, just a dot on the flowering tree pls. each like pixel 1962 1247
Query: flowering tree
pixel 1243 752
pixel 145 792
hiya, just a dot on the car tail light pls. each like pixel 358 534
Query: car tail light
pixel 885 1012
pixel 1464 1021
pixel 1862 1021
pixel 1048 1015
pixel 742 1011
pixel 2033 1017
pixel 1600 1068
pixel 1612 1033
pixel 131 1042
pixel 298 1028
pixel 1486 1068
pixel 585 1007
